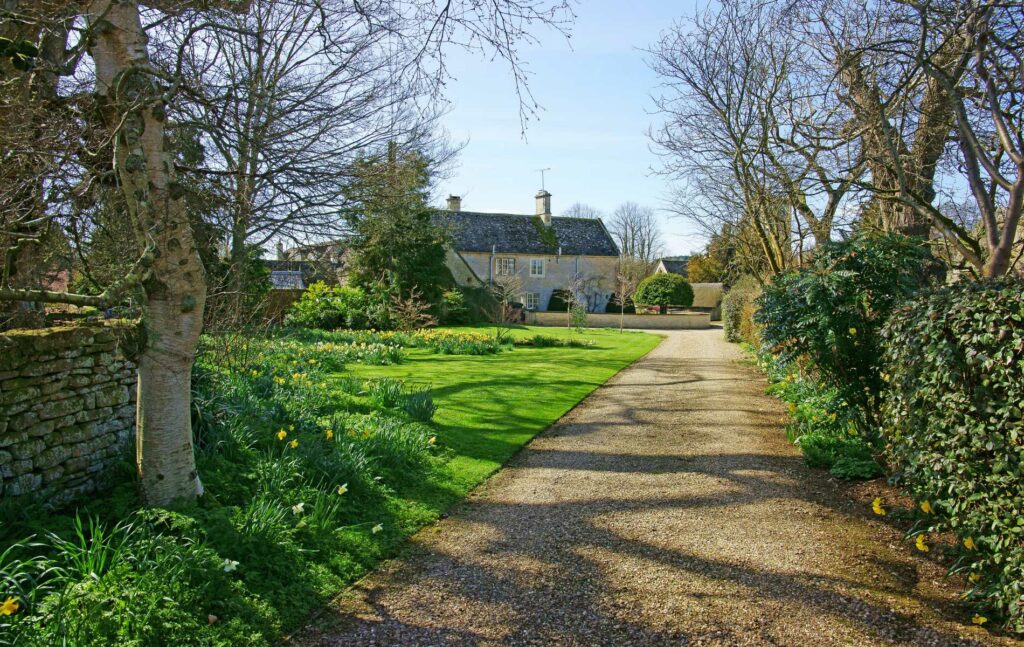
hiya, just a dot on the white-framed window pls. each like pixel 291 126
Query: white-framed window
pixel 504 266
pixel 531 300
pixel 536 267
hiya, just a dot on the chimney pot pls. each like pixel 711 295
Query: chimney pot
pixel 544 206
pixel 454 203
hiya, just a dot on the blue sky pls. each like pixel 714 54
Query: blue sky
pixel 596 108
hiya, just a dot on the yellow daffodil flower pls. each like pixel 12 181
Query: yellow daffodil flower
pixel 291 427
pixel 979 619
pixel 969 543
pixel 293 444
pixel 876 505
pixel 342 489
pixel 329 434
pixel 9 607
pixel 974 577
pixel 254 373
pixel 432 441
pixel 921 544
pixel 281 435
pixel 926 507
pixel 278 380
pixel 853 332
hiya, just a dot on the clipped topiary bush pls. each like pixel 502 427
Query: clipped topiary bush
pixel 954 432
pixel 738 307
pixel 664 290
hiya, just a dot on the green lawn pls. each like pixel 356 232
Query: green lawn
pixel 489 406
pixel 309 484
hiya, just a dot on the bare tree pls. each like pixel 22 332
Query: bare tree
pixel 505 291
pixel 581 210
pixel 126 148
pixel 628 274
pixel 752 127
pixel 283 97
pixel 636 232
pixel 989 115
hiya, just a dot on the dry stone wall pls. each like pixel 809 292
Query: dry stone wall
pixel 67 410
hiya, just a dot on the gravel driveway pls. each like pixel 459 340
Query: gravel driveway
pixel 667 509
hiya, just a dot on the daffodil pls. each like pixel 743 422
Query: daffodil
pixel 298 508
pixel 281 435
pixel 979 619
pixel 9 607
pixel 926 507
pixel 974 577
pixel 294 444
pixel 921 543
pixel 329 434
pixel 254 373
pixel 291 427
pixel 432 441
pixel 969 543
pixel 278 380
pixel 342 489
pixel 876 505
pixel 377 528
pixel 229 565
pixel 853 332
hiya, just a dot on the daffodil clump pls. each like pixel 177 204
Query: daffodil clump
pixel 305 478
pixel 821 422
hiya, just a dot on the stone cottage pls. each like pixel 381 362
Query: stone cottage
pixel 541 252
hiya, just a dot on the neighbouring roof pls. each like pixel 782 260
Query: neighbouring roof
pixel 676 264
pixel 473 231
pixel 296 275
pixel 287 280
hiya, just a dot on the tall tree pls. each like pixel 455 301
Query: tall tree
pixel 284 97
pixel 637 233
pixel 394 238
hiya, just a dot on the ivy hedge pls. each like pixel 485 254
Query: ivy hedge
pixel 954 363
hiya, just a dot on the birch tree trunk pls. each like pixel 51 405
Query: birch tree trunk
pixel 132 103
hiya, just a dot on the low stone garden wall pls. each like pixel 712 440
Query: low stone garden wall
pixel 67 409
pixel 674 321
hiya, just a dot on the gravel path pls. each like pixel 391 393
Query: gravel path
pixel 666 509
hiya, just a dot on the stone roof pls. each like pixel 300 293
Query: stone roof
pixel 472 231
pixel 297 275
pixel 676 264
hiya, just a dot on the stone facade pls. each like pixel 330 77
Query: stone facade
pixel 674 321
pixel 596 272
pixel 67 409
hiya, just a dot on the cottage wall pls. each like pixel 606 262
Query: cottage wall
pixel 67 410
pixel 559 271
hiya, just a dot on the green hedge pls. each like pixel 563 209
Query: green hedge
pixel 954 361
pixel 738 307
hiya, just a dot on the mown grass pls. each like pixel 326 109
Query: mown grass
pixel 490 406
pixel 282 528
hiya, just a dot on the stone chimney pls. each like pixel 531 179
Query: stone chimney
pixel 544 206
pixel 454 203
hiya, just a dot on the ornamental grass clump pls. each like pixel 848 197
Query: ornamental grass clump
pixel 954 430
